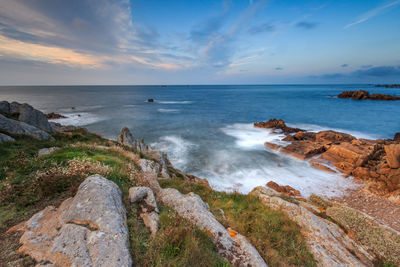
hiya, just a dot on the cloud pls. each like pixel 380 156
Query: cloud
pixel 344 65
pixel 373 72
pixel 84 33
pixel 278 68
pixel 367 66
pixel 306 25
pixel 372 13
pixel 261 28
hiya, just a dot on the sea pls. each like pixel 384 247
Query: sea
pixel 207 130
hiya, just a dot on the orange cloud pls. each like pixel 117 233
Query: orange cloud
pixel 48 54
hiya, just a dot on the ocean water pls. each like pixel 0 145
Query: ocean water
pixel 207 129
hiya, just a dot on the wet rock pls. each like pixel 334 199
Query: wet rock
pixel 33 117
pixel 329 244
pixel 126 139
pixel 362 95
pixel 4 107
pixel 287 190
pixel 379 239
pixel 150 100
pixel 55 116
pixel 5 138
pixel 87 230
pixel 17 127
pixel 393 155
pixel 276 124
pixel 192 207
pixel 46 151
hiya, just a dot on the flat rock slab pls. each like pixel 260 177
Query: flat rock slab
pixel 46 151
pixel 87 230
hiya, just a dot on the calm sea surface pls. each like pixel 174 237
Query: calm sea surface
pixel 207 130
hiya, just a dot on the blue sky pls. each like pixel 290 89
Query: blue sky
pixel 199 42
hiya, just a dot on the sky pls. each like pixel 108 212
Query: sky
pixel 127 42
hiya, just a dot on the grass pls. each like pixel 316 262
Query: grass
pixel 275 236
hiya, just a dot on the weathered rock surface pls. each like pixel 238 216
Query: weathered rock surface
pixel 192 207
pixel 362 95
pixel 33 117
pixel 87 230
pixel 286 189
pixel 57 127
pixel 144 197
pixel 18 127
pixel 5 138
pixel 379 239
pixel 154 167
pixel 126 139
pixel 377 161
pixel 46 151
pixel 162 158
pixel 328 243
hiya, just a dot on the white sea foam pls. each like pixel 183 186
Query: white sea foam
pixel 78 119
pixel 250 137
pixel 318 128
pixel 167 110
pixel 173 102
pixel 81 108
pixel 177 149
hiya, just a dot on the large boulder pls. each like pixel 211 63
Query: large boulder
pixel 5 138
pixel 393 155
pixel 18 127
pixel 87 230
pixel 4 107
pixel 328 243
pixel 234 248
pixel 126 138
pixel 34 117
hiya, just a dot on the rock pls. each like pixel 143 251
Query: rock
pixel 5 138
pixel 150 100
pixel 17 127
pixel 162 158
pixel 192 207
pixel 55 116
pixel 59 128
pixel 33 117
pixel 4 107
pixel 14 108
pixel 396 137
pixel 137 194
pixel 333 137
pixel 288 190
pixel 393 155
pixel 362 94
pixel 46 151
pixel 126 139
pixel 149 211
pixel 329 244
pixel 149 166
pixel 379 239
pixel 87 230
pixel 276 124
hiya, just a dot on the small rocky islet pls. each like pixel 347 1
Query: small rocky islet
pixel 72 198
pixel 363 95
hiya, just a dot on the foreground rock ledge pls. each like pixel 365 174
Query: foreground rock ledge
pixel 87 230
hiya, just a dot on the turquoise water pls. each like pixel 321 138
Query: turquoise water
pixel 207 130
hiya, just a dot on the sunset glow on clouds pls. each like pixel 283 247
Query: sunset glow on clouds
pixel 183 42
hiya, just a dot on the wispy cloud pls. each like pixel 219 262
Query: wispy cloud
pixel 372 13
pixel 344 65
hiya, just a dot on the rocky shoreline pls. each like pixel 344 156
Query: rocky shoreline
pixel 107 185
pixel 363 95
